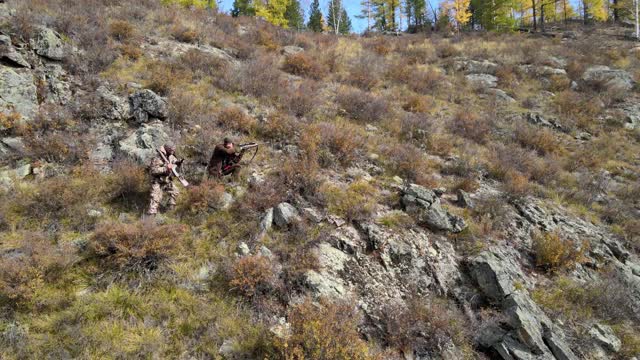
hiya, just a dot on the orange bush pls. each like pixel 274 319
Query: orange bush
pixel 471 126
pixel 201 199
pixel 251 275
pixel 304 65
pixel 235 118
pixel 121 30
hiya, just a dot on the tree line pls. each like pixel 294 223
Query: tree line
pixel 428 15
pixel 289 14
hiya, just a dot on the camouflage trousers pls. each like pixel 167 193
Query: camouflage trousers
pixel 157 192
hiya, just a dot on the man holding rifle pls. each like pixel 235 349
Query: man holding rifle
pixel 226 158
pixel 164 167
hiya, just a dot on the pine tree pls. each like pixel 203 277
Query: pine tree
pixel 345 25
pixel 294 15
pixel 366 12
pixel 316 22
pixel 243 8
pixel 416 12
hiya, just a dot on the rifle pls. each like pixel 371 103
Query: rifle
pixel 247 146
pixel 182 180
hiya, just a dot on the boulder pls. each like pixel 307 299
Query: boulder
pixel 291 50
pixel 495 271
pixel 147 105
pixel 604 336
pixel 424 205
pixel 8 176
pixel 141 145
pixel 631 111
pixel 11 147
pixel 285 214
pixel 542 71
pixel 475 67
pixel 17 93
pixel 611 79
pixel 500 95
pixel 48 44
pixel 536 118
pixel 267 220
pixel 482 81
pixel 464 199
pixel 9 55
pixel 112 107
pixel 56 88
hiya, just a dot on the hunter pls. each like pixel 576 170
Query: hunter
pixel 223 161
pixel 162 174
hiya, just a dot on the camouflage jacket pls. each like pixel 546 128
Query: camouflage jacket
pixel 158 167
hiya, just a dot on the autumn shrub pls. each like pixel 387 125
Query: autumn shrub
pixel 508 77
pixel 278 127
pixel 419 54
pixel 409 162
pixel 472 126
pixel 202 64
pixel 554 252
pixel 445 50
pixel 200 199
pixel 236 119
pixel 542 140
pixel 27 265
pixel 251 276
pixel 121 30
pixel 431 326
pixel 300 99
pixel 357 201
pixel 127 185
pixel 184 33
pixel 324 331
pixel 304 65
pixel 418 104
pixel 342 142
pixel 363 106
pixel 365 72
pixel 396 219
pixel 579 110
pixel 516 184
pixel 415 127
pixel 131 52
pixel 575 69
pixel 140 247
pixel 187 109
pixel 165 76
pixel 425 81
pixel 258 77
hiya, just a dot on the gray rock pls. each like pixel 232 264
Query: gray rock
pixel 48 44
pixel 243 249
pixel 228 349
pixel 424 205
pixel 292 50
pixel 256 179
pixel 500 95
pixel 266 252
pixel 57 88
pixel 605 337
pixel 536 118
pixel 631 111
pixel 542 71
pixel 141 145
pixel 11 147
pixel 267 220
pixel 475 67
pixel 313 215
pixel 9 54
pixel 8 176
pixel 147 105
pixel 496 272
pixel 112 107
pixel 464 199
pixel 482 81
pixel 612 79
pixel 17 93
pixel 285 214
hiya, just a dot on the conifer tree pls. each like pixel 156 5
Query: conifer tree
pixel 316 22
pixel 294 15
pixel 243 8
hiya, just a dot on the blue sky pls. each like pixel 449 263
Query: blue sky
pixel 352 7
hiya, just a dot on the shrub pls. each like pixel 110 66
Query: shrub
pixel 363 106
pixel 234 118
pixel 415 127
pixel 354 202
pixel 364 73
pixel 425 81
pixel 33 261
pixel 184 33
pixel 278 127
pixel 447 50
pixel 542 140
pixel 396 219
pixel 327 331
pixel 430 326
pixel 578 109
pixel 409 162
pixel 165 76
pixel 121 30
pixel 140 247
pixel 128 185
pixel 201 199
pixel 343 141
pixel 471 126
pixel 251 275
pixel 553 252
pixel 130 51
pixel 299 100
pixel 302 64
pixel 203 64
pixel 516 184
pixel 418 104
pixel 258 77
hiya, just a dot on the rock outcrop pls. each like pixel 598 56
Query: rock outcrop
pixel 611 79
pixel 147 106
pixel 17 92
pixel 141 145
pixel 48 44
pixel 9 55
pixel 425 206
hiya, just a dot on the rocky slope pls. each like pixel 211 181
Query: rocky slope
pixel 420 198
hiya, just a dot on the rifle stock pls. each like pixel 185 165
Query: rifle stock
pixel 182 180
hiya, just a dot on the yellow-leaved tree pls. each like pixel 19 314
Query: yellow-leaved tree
pixel 459 11
pixel 596 9
pixel 273 11
pixel 211 4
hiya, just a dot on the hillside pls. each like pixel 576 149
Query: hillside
pixel 470 196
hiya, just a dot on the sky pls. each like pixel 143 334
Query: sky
pixel 352 7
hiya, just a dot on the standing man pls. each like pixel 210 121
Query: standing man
pixel 162 174
pixel 224 159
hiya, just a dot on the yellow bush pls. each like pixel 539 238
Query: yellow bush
pixel 121 30
pixel 327 331
pixel 251 275
pixel 552 252
pixel 357 201
pixel 201 199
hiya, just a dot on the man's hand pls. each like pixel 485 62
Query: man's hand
pixel 170 167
